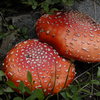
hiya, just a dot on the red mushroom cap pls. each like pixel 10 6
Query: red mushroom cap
pixel 50 72
pixel 73 34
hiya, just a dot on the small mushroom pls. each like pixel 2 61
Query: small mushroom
pixel 50 72
pixel 73 34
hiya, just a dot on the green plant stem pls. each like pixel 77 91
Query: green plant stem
pixel 83 87
pixel 47 98
pixel 92 83
pixel 6 96
pixel 23 96
pixel 57 96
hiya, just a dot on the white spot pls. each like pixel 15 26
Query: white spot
pixel 73 70
pixel 3 64
pixel 10 73
pixel 49 49
pixel 44 90
pixel 40 72
pixel 32 67
pixel 85 49
pixel 45 81
pixel 63 59
pixel 67 70
pixel 60 66
pixel 49 84
pixel 25 42
pixel 39 86
pixel 26 80
pixel 9 59
pixel 12 52
pixel 18 81
pixel 16 54
pixel 56 62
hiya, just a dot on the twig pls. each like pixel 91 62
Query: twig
pixel 86 71
pixel 94 3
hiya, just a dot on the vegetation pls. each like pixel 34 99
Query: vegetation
pixel 43 5
pixel 85 86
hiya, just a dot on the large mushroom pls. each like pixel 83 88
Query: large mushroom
pixel 73 34
pixel 50 72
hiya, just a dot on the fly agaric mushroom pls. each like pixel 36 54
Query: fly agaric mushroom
pixel 73 34
pixel 50 72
